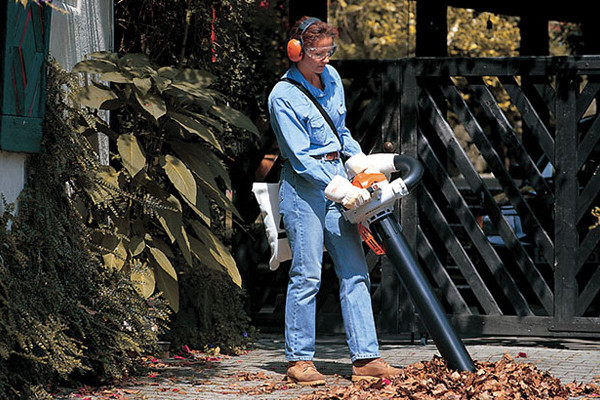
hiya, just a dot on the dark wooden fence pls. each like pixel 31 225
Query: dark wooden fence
pixel 501 221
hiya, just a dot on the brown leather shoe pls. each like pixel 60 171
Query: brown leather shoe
pixel 304 373
pixel 372 369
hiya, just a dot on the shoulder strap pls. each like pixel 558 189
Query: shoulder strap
pixel 317 104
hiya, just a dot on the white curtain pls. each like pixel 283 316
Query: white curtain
pixel 84 26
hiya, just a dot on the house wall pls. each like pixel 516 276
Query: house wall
pixel 12 176
pixel 85 26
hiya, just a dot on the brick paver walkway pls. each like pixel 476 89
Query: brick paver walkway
pixel 259 375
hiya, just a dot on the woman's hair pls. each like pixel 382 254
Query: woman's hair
pixel 314 33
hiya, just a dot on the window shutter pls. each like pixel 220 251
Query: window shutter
pixel 25 41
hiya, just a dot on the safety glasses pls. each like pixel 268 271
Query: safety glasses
pixel 320 53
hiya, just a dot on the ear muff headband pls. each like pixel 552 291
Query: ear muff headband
pixel 294 46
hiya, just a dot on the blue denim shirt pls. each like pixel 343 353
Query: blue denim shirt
pixel 300 128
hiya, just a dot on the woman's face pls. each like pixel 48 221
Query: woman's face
pixel 317 56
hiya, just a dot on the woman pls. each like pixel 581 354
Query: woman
pixel 313 181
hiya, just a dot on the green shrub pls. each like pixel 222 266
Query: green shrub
pixel 212 316
pixel 64 317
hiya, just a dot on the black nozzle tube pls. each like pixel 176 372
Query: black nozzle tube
pixel 389 233
pixel 410 168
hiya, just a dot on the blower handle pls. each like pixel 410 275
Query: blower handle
pixel 411 170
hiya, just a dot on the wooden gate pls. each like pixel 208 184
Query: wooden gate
pixel 501 222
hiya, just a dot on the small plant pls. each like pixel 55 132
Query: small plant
pixel 596 213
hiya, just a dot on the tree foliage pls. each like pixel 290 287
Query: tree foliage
pixel 238 41
pixel 374 29
pixel 472 34
pixel 387 29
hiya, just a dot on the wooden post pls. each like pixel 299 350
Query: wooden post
pixel 534 35
pixel 566 239
pixel 432 28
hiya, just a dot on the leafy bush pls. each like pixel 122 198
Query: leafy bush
pixel 212 314
pixel 241 43
pixel 165 179
pixel 63 316
pixel 165 188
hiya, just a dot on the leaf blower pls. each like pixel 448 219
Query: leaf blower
pixel 384 234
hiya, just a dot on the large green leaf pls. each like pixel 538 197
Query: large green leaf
pixel 180 176
pixel 168 286
pixel 202 162
pixel 161 83
pixel 116 77
pixel 153 241
pixel 176 209
pixel 131 153
pixel 94 97
pixel 143 85
pixel 202 252
pixel 201 207
pixel 184 98
pixel 206 166
pixel 194 126
pixel 172 223
pixel 208 120
pixel 195 157
pixel 194 90
pixel 95 67
pixel 221 199
pixel 152 103
pixel 218 168
pixel 136 63
pixel 234 117
pixel 116 258
pixel 168 72
pixel 191 81
pixel 143 280
pixel 218 250
pixel 105 55
pixel 136 245
pixel 163 262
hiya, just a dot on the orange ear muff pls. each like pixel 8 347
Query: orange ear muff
pixel 294 50
pixel 294 46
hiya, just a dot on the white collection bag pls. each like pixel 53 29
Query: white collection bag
pixel 267 196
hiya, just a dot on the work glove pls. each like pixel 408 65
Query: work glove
pixel 356 164
pixel 382 162
pixel 342 191
pixel 372 163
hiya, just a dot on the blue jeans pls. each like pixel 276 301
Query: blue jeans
pixel 312 221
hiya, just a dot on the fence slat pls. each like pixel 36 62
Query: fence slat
pixel 440 275
pixel 530 116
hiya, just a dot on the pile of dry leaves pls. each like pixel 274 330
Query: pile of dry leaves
pixel 506 379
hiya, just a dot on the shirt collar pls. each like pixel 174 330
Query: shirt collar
pixel 328 80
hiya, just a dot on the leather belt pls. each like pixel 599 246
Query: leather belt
pixel 334 155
